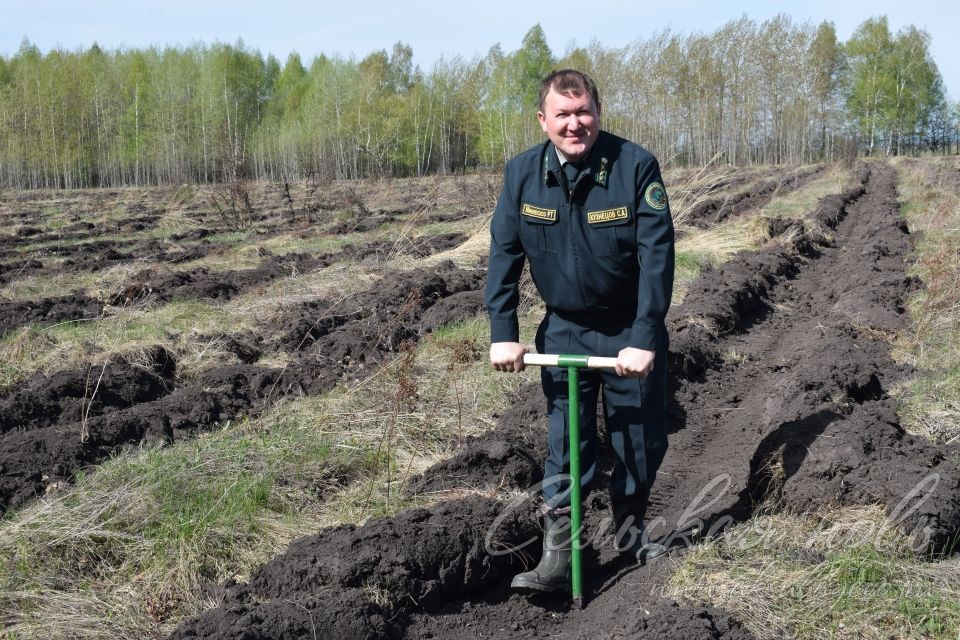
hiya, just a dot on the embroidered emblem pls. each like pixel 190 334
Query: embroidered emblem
pixel 601 177
pixel 607 215
pixel 539 213
pixel 656 196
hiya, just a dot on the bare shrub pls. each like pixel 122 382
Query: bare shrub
pixel 231 197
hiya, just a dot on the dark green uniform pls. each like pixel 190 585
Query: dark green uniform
pixel 601 255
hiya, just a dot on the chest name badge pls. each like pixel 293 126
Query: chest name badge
pixel 607 215
pixel 539 213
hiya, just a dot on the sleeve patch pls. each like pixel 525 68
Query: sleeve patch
pixel 656 196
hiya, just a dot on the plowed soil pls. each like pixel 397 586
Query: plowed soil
pixel 163 285
pixel 779 396
pixel 53 426
pixel 717 209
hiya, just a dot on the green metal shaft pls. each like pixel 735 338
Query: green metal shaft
pixel 573 376
pixel 573 363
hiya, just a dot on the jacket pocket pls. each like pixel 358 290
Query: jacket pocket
pixel 611 232
pixel 540 234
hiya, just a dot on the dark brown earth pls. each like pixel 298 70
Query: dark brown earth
pixel 56 425
pixel 780 362
pixel 82 246
pixel 161 284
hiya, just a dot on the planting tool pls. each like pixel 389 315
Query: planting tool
pixel 573 363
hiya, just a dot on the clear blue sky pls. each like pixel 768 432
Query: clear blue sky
pixel 433 28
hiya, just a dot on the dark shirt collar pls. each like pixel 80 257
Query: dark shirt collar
pixel 597 161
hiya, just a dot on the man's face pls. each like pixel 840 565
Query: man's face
pixel 571 122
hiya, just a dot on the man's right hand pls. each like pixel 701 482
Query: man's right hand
pixel 507 356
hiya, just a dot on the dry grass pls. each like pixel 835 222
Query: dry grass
pixel 840 574
pixel 177 326
pixel 696 188
pixel 136 542
pixel 801 202
pixel 930 198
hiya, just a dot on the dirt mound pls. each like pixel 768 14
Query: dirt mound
pixel 376 574
pixel 377 324
pixel 710 212
pixel 510 455
pixel 862 458
pixel 378 313
pixel 418 247
pixel 397 577
pixel 53 310
pixel 452 309
pixel 82 394
pixel 207 284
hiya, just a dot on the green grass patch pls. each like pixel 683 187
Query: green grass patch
pixel 232 259
pixel 55 219
pixel 313 244
pixel 431 229
pixel 134 325
pixel 687 268
pixel 148 532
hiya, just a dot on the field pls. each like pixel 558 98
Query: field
pixel 277 420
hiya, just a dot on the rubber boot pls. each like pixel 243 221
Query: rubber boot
pixel 630 535
pixel 553 572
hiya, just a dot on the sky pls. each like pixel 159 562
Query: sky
pixel 435 28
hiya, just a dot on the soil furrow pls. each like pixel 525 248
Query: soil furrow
pixel 715 210
pixel 42 448
pixel 779 399
pixel 810 376
pixel 157 285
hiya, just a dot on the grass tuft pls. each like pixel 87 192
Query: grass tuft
pixel 930 403
pixel 841 574
pixel 139 541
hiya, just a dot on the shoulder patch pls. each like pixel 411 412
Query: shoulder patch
pixel 538 212
pixel 656 196
pixel 607 215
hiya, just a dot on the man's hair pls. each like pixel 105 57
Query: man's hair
pixel 569 82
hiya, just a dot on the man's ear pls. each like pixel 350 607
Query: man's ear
pixel 543 120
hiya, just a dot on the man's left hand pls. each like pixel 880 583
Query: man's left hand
pixel 635 363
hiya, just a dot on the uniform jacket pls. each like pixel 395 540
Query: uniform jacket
pixel 607 250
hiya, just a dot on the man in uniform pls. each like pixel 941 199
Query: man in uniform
pixel 588 210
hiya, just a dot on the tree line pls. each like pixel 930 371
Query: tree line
pixel 775 91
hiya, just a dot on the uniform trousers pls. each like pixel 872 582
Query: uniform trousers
pixel 634 409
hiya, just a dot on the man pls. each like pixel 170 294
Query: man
pixel 588 210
